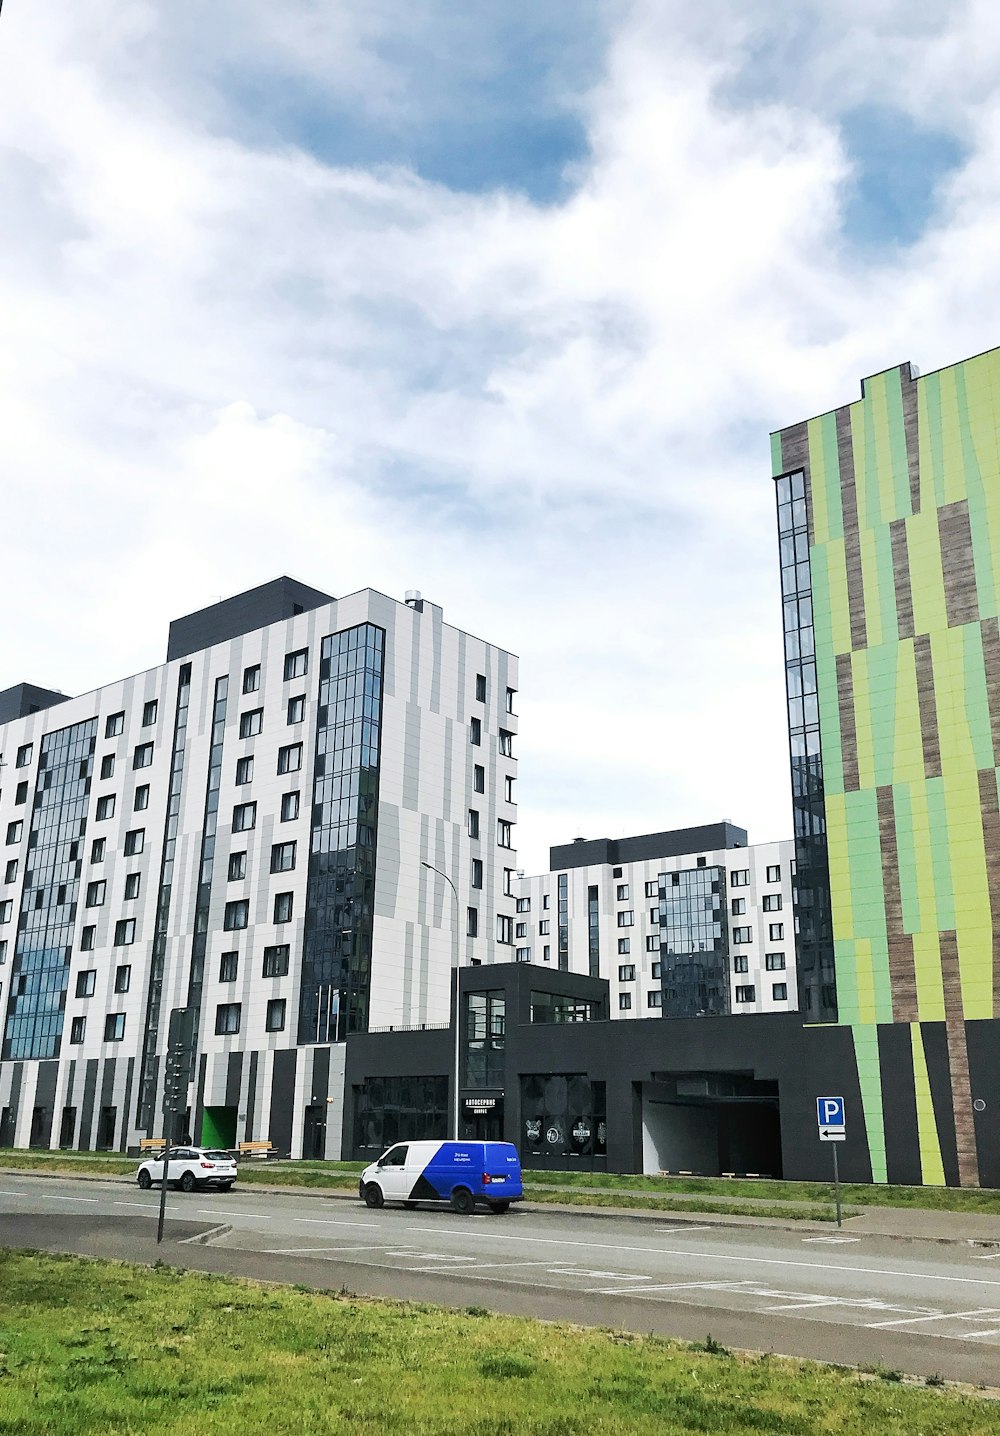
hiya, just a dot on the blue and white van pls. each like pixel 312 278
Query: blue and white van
pixel 462 1173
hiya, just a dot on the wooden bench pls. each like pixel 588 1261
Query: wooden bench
pixel 257 1149
pixel 152 1144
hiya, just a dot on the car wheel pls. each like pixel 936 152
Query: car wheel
pixel 187 1183
pixel 410 1206
pixel 498 1207
pixel 463 1202
pixel 145 1181
pixel 373 1195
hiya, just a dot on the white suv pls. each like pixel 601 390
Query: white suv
pixel 190 1167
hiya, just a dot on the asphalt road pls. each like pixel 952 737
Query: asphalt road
pixel 919 1307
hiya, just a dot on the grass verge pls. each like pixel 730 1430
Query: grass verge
pixel 100 1347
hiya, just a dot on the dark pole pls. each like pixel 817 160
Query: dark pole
pixel 836 1185
pixel 168 1123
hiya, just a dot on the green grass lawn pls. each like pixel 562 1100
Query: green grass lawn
pixel 92 1348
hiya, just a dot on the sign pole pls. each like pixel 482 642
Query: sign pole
pixel 167 1125
pixel 836 1185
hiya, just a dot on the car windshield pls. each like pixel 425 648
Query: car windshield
pixel 217 1156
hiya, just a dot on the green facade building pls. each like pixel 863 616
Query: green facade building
pixel 889 527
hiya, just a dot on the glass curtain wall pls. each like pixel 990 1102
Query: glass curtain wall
pixel 694 947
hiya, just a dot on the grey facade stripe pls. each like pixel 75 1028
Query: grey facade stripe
pixel 984 1076
pixel 411 757
pixel 320 1075
pixel 45 1099
pixel 852 534
pixel 935 1040
pixel 927 705
pixel 108 1095
pixel 902 970
pixel 899 1105
pixel 129 1079
pixel 958 564
pixel 194 1128
pixel 958 1062
pixel 70 1082
pixel 282 1110
pixel 251 1098
pixel 848 722
pixel 84 1138
pixel 437 624
pixel 990 630
pixel 795 447
pixel 911 431
pixel 408 965
pixel 13 1103
pixel 389 848
pixel 234 1074
pixel 901 578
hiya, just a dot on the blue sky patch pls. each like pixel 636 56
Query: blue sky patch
pixel 898 170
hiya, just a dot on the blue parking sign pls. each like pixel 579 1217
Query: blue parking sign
pixel 831 1118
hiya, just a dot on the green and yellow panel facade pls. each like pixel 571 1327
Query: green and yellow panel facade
pixel 889 520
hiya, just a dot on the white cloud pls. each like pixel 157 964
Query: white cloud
pixel 221 360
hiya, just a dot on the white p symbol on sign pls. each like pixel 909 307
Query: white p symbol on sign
pixel 831 1111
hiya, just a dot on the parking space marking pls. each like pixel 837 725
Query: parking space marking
pixel 937 1316
pixel 832 1241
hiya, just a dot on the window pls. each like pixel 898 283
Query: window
pixel 652 888
pixel 135 841
pixel 149 713
pixel 6 909
pixel 473 823
pixel 475 731
pixel 97 850
pixel 508 882
pixel 296 664
pixel 771 902
pixel 296 709
pixel 114 725
pixel 123 978
pixel 227 1018
pixel 77 1028
pixel 87 935
pixel 106 807
pixel 622 892
pixel 21 792
pixel 14 831
pixel 505 743
pixel 504 928
pixel 546 952
pixel 504 833
pixel 237 915
pixel 95 893
pixel 229 966
pixel 24 754
pixel 626 972
pixel 521 929
pixel 125 932
pixel 472 922
pixel 251 722
pixel 3 952
pixel 624 1001
pixel 276 961
pixel 653 942
pixel 522 954
pixel 282 857
pixel 477 872
pixel 545 902
pixel 510 699
pixel 86 982
pixel 654 998
pixel 289 806
pixel 776 932
pixel 624 946
pixel 244 770
pixel 654 914
pixel 626 918
pixel 114 1027
pixel 290 758
pixel 237 867
pixel 544 927
pixel 742 934
pixel 108 765
pixel 741 963
pixel 143 755
pixel 251 678
pixel 779 991
pixel 747 993
pixel 141 801
pixel 739 878
pixel 275 1019
pixel 738 907
pixel 523 904
pixel 774 873
pixel 656 970
pixel 132 884
pixel 508 789
pixel 283 907
pixel 480 687
pixel 11 873
pixel 244 817
pixel 479 778
pixel 774 961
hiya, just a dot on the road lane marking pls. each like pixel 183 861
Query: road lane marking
pixel 970 1335
pixel 675 1231
pixel 55 1197
pixel 938 1316
pixel 327 1222
pixel 833 1241
pixel 214 1212
pixel 723 1256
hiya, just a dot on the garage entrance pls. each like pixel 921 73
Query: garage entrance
pixel 711 1124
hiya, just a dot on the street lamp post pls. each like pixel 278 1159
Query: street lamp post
pixel 458 994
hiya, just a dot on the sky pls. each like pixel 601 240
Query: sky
pixel 495 301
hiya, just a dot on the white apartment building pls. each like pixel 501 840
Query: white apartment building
pixel 684 923
pixel 300 824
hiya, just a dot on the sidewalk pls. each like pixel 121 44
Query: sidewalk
pixel 901 1223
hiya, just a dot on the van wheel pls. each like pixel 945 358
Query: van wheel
pixel 463 1202
pixel 498 1207
pixel 373 1195
pixel 410 1206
